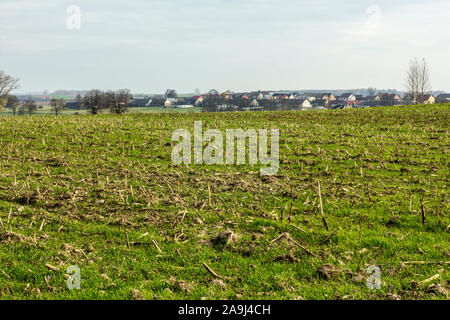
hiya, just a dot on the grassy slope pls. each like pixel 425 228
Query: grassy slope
pixel 72 187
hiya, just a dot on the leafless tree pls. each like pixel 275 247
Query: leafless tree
pixel 21 111
pixel 170 93
pixel 118 101
pixel 30 106
pixel 424 80
pixel 79 99
pixel 213 92
pixel 212 101
pixel 94 101
pixel 371 91
pixel 418 80
pixel 57 105
pixel 12 103
pixel 7 84
pixel 412 80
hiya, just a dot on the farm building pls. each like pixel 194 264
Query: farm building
pixel 170 102
pixel 304 103
pixel 74 105
pixel 428 99
pixel 347 97
pixel 198 101
pixel 254 103
pixel 442 98
pixel 283 96
pixel 320 97
pixel 227 95
pixel 144 102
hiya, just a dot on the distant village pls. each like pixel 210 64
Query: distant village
pixel 214 101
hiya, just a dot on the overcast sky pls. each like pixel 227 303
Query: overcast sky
pixel 151 45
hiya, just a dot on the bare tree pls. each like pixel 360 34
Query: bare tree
pixel 30 106
pixel 79 99
pixel 21 111
pixel 213 92
pixel 424 80
pixel 412 80
pixel 7 84
pixel 94 101
pixel 212 101
pixel 371 91
pixel 171 93
pixel 12 103
pixel 418 80
pixel 57 105
pixel 119 100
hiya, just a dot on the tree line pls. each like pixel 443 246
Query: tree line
pixel 30 106
pixel 95 101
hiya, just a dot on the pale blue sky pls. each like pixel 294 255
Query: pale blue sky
pixel 151 45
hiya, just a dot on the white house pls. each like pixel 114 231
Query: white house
pixel 348 97
pixel 199 101
pixel 254 103
pixel 170 102
pixel 305 103
pixel 429 99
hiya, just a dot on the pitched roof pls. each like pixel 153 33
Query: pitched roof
pixel 444 96
pixel 427 96
pixel 315 94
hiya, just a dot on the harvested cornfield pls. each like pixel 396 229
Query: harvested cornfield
pixel 102 193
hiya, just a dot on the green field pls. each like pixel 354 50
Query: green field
pixel 47 111
pixel 101 192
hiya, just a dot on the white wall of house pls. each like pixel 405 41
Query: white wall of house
pixel 430 100
pixel 306 104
